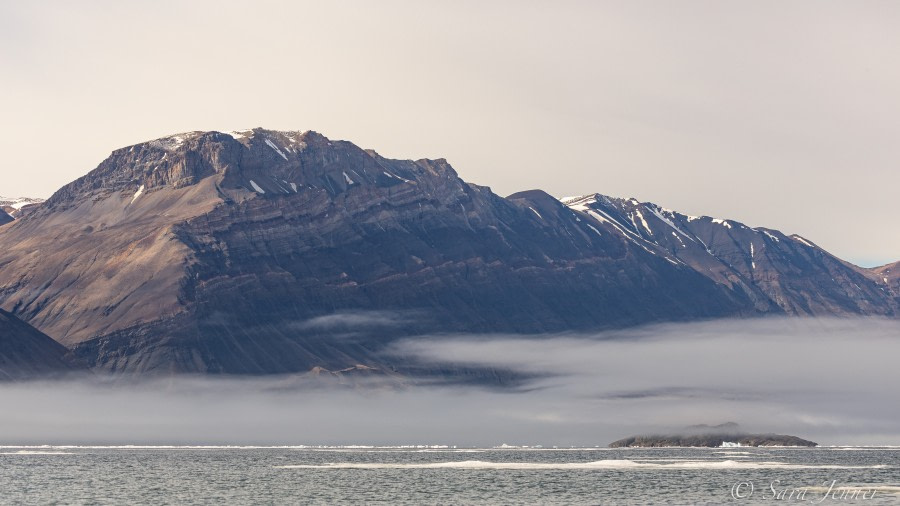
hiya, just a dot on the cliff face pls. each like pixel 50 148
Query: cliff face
pixel 270 252
pixel 26 353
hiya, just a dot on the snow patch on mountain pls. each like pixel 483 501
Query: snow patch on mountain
pixel 643 221
pixel 770 236
pixel 18 202
pixel 239 134
pixel 802 240
pixel 173 142
pixel 277 150
pixel 14 206
pixel 137 194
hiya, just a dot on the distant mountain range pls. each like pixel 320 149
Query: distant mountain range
pixel 17 207
pixel 261 252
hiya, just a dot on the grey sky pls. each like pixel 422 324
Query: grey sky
pixel 775 113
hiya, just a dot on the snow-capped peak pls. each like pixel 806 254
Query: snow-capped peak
pixel 13 206
pixel 18 202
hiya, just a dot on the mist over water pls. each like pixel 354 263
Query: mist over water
pixel 828 380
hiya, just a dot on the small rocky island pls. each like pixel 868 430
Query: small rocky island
pixel 726 434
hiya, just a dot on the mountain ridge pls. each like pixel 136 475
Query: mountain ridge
pixel 727 251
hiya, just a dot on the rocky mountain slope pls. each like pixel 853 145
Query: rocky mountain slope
pixel 26 353
pixel 774 270
pixel 271 252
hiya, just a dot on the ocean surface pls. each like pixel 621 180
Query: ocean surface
pixel 447 475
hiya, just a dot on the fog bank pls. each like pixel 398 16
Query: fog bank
pixel 832 381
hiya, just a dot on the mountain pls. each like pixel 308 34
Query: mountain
pixel 260 252
pixel 20 206
pixel 776 271
pixel 26 353
pixel 5 217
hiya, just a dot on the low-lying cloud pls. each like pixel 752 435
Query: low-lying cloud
pixel 832 381
pixel 352 320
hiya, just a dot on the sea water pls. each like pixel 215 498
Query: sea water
pixel 447 475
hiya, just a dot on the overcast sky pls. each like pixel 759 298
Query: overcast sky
pixel 774 113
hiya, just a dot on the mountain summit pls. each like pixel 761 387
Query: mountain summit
pixel 260 251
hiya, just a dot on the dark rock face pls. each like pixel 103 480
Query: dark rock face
pixel 710 440
pixel 5 218
pixel 264 252
pixel 26 353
